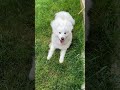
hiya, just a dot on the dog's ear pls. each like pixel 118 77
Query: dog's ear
pixel 72 21
pixel 54 24
pixel 69 26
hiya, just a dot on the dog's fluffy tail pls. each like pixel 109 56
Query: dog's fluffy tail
pixel 65 15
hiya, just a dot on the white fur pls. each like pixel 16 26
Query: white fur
pixel 62 27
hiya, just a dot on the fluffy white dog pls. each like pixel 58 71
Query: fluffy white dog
pixel 61 37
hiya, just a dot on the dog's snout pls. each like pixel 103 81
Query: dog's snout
pixel 62 38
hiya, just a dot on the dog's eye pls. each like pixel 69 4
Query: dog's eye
pixel 59 32
pixel 65 33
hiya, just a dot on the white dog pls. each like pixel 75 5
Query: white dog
pixel 61 37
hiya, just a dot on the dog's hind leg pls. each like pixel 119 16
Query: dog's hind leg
pixel 51 51
pixel 62 55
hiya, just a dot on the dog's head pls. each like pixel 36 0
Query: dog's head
pixel 61 28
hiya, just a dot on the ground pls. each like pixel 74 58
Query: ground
pixel 50 75
pixel 102 48
pixel 16 44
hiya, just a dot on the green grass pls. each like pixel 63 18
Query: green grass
pixel 16 44
pixel 100 51
pixel 50 75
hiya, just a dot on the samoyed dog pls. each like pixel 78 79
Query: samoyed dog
pixel 61 37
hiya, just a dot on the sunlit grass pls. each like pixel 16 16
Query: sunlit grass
pixel 50 75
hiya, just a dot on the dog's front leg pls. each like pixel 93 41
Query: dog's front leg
pixel 51 51
pixel 62 55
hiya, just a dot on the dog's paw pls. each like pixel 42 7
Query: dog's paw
pixel 48 57
pixel 61 61
pixel 83 86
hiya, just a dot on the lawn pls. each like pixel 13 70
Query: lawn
pixel 16 44
pixel 102 49
pixel 50 75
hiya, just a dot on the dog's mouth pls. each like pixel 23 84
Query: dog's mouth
pixel 61 41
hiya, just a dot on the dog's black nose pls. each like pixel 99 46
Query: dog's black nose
pixel 62 38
